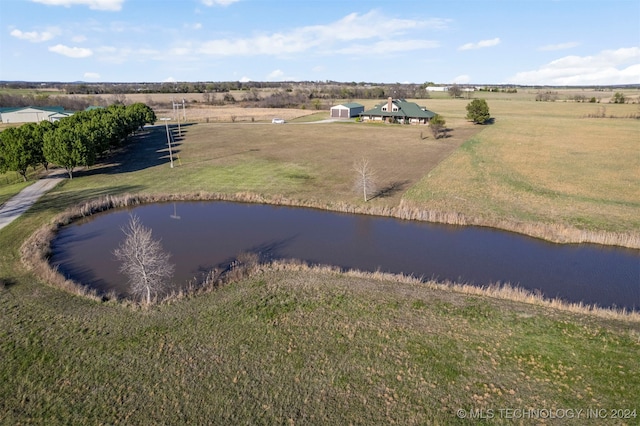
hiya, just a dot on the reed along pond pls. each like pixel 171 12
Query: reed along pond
pixel 204 235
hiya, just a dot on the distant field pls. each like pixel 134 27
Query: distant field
pixel 229 114
pixel 543 162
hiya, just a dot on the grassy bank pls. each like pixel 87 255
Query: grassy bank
pixel 305 347
pixel 9 190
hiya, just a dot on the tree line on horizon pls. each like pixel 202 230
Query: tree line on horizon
pixel 324 88
pixel 78 140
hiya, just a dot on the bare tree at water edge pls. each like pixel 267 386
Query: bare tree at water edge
pixel 143 261
pixel 365 178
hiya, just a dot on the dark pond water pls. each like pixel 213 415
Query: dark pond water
pixel 204 235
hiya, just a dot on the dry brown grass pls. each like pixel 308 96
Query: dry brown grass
pixel 308 161
pixel 229 114
pixel 544 165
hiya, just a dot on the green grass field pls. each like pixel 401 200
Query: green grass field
pixel 305 347
pixel 318 347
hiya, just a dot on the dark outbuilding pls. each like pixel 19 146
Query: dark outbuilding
pixel 348 110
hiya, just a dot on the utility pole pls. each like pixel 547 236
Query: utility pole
pixel 166 124
pixel 176 113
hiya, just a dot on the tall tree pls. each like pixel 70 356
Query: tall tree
pixel 68 146
pixel 37 134
pixel 18 150
pixel 478 111
pixel 138 115
pixel 365 178
pixel 117 118
pixel 618 98
pixel 437 125
pixel 143 261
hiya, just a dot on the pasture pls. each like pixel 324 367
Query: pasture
pixel 293 345
pixel 543 163
pixel 547 169
pixel 302 160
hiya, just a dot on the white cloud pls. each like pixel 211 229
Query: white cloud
pixel 169 80
pixel 218 2
pixel 481 44
pixel 621 66
pixel 462 79
pixel 244 79
pixel 560 46
pixel 92 76
pixel 78 39
pixel 72 52
pixel 382 33
pixel 388 46
pixel 369 25
pixel 34 36
pixel 110 5
pixel 275 75
pixel 117 55
pixel 179 51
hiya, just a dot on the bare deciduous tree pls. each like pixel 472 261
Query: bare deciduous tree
pixel 455 91
pixel 365 178
pixel 143 261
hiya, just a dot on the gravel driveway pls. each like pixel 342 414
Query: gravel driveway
pixel 20 203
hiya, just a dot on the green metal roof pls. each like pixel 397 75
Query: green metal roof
pixel 57 109
pixel 405 110
pixel 352 105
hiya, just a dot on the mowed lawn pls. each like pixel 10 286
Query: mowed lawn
pixel 305 161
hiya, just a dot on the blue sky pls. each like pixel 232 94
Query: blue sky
pixel 553 42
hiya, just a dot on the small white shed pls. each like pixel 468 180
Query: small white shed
pixel 348 110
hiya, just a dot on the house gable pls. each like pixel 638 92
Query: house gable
pixel 399 110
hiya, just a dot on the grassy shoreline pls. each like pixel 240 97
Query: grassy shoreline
pixel 35 251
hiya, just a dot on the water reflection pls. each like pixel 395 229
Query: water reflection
pixel 204 235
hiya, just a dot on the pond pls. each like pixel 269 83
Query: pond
pixel 204 235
